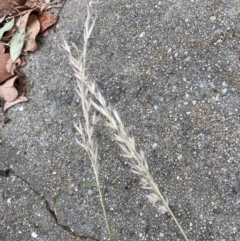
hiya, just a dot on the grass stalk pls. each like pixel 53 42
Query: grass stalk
pixel 136 159
pixel 90 118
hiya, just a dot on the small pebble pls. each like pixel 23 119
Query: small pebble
pixel 224 90
pixel 70 192
pixel 209 68
pixel 34 235
pixel 219 41
pixel 161 235
pixel 21 108
pixel 154 146
pixel 213 18
pixel 90 192
pixel 113 181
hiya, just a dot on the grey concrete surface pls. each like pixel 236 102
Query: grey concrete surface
pixel 171 68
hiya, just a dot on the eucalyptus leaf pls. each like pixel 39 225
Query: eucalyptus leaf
pixel 7 26
pixel 16 43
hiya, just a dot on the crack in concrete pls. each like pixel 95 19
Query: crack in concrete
pixel 51 211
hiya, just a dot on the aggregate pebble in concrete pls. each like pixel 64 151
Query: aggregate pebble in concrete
pixel 171 68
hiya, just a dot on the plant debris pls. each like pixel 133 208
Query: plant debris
pixel 21 21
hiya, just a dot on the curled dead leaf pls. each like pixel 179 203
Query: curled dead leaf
pixel 19 73
pixel 23 61
pixel 4 57
pixel 11 66
pixel 37 3
pixel 6 6
pixel 33 28
pixel 7 90
pixel 18 100
pixel 46 20
pixel 22 21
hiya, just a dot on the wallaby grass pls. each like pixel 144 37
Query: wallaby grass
pixel 93 105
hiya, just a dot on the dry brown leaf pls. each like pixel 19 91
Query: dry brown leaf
pixel 7 90
pixel 19 73
pixel 4 57
pixel 37 3
pixel 18 100
pixel 33 28
pixel 6 6
pixel 11 66
pixel 22 21
pixel 46 20
pixel 12 88
pixel 23 61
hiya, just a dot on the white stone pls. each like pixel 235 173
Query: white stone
pixel 34 235
pixel 213 18
pixel 154 146
pixel 224 90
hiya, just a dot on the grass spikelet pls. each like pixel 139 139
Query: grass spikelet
pixel 136 159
